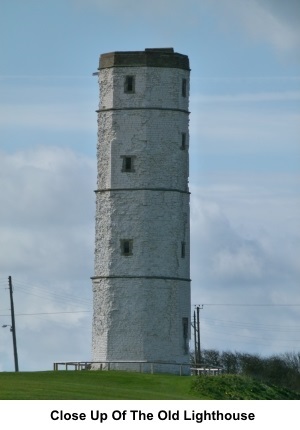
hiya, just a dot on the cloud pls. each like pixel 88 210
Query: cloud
pixel 273 22
pixel 47 213
pixel 239 254
pixel 237 240
pixel 226 257
pixel 46 244
pixel 244 263
pixel 46 185
pixel 266 21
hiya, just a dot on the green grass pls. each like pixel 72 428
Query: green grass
pixel 238 387
pixel 88 385
pixel 117 385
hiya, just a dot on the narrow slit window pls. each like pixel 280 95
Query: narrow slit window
pixel 182 249
pixel 129 84
pixel 183 88
pixel 185 330
pixel 183 140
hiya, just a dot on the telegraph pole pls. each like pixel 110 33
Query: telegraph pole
pixel 195 339
pixel 13 325
pixel 197 334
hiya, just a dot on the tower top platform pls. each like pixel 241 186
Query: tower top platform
pixel 151 57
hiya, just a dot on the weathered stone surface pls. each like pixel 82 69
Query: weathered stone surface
pixel 141 299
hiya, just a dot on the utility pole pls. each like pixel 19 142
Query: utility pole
pixel 195 339
pixel 13 325
pixel 197 334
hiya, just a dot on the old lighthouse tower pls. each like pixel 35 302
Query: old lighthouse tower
pixel 141 284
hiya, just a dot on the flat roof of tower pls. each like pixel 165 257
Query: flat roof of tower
pixel 151 57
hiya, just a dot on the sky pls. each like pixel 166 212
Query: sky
pixel 244 167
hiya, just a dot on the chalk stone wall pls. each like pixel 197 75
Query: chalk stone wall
pixel 141 299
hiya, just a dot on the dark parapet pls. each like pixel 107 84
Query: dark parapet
pixel 151 57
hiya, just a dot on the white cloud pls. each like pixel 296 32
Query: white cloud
pixel 47 241
pixel 245 237
pixel 46 245
pixel 45 184
pixel 245 243
pixel 242 264
pixel 263 20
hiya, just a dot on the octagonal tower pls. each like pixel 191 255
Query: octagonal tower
pixel 141 284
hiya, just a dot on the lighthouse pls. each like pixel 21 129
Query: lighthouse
pixel 141 282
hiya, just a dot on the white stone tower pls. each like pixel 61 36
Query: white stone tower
pixel 141 284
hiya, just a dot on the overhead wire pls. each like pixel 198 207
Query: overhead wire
pixel 247 325
pixel 61 298
pixel 46 293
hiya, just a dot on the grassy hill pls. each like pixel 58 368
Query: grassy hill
pixel 94 385
pixel 239 387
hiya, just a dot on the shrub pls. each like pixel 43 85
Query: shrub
pixel 280 370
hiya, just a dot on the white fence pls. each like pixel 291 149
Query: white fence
pixel 135 366
pixel 207 370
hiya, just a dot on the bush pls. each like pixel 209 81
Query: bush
pixel 280 370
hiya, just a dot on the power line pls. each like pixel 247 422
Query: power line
pixel 259 341
pixel 47 313
pixel 47 294
pixel 250 305
pixel 57 297
pixel 242 324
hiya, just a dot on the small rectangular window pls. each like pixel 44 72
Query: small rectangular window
pixel 126 246
pixel 185 330
pixel 129 84
pixel 183 88
pixel 182 249
pixel 183 140
pixel 127 164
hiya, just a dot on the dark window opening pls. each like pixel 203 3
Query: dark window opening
pixel 185 330
pixel 183 140
pixel 126 246
pixel 129 84
pixel 183 88
pixel 182 249
pixel 127 165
